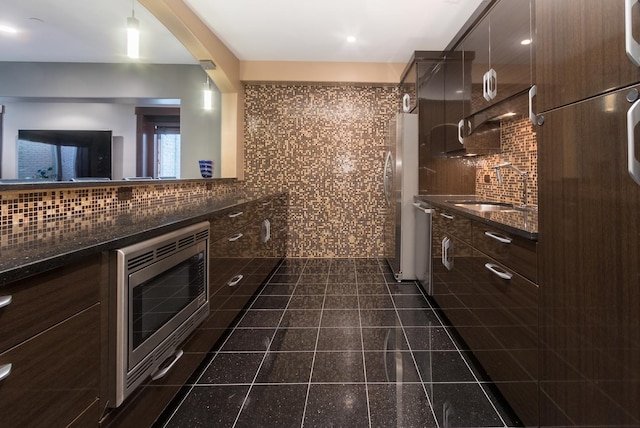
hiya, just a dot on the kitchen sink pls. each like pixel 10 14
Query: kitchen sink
pixel 484 206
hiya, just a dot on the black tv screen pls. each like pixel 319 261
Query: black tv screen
pixel 64 155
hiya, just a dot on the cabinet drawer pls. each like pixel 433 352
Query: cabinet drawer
pixel 245 242
pixel 44 300
pixel 234 218
pixel 454 224
pixel 54 375
pixel 518 253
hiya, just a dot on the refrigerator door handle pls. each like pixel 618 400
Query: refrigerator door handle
pixel 385 179
pixel 631 45
pixel 633 117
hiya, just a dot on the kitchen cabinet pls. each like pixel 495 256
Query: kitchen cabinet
pixel 500 65
pixel 580 49
pixel 590 247
pixel 481 284
pixel 49 338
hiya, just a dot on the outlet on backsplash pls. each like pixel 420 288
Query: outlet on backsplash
pixel 518 146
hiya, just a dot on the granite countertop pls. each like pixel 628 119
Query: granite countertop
pixel 521 223
pixel 44 250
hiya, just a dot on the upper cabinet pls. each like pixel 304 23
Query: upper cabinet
pixel 573 64
pixel 499 50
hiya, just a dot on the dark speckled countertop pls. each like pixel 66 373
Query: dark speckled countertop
pixel 521 223
pixel 38 255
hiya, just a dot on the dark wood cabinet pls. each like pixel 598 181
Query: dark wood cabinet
pixel 590 247
pixel 501 66
pixel 580 49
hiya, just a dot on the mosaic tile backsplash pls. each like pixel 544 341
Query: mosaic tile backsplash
pixel 518 146
pixel 41 216
pixel 325 145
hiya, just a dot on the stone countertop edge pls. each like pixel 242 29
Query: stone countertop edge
pixel 516 224
pixel 18 265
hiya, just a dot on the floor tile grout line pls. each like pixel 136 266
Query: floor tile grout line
pixel 315 350
pixel 430 399
pixel 215 354
pixel 364 360
pixel 266 352
pixel 475 377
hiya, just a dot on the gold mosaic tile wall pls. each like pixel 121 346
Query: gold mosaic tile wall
pixel 518 146
pixel 325 145
pixel 36 217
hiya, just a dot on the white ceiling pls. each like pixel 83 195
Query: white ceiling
pixel 276 30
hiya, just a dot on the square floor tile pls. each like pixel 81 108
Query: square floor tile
pixel 390 367
pixel 336 406
pixel 260 318
pixel 383 338
pixel 278 290
pixel 343 366
pixel 371 278
pixel 209 406
pixel 301 318
pixel 375 302
pixel 273 406
pixel 232 368
pixel 462 405
pixel 294 339
pixel 270 302
pixel 372 288
pixel 379 317
pixel 404 288
pixel 310 277
pixel 345 289
pixel 417 317
pixel 340 318
pixel 343 278
pixel 410 301
pixel 284 279
pixel 429 338
pixel 339 339
pixel 310 289
pixel 442 366
pixel 248 340
pixel 400 406
pixel 341 302
pixel 306 302
pixel 286 367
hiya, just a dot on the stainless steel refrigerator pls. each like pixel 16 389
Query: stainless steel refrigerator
pixel 400 185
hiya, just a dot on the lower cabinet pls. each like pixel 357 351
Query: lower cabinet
pixel 492 304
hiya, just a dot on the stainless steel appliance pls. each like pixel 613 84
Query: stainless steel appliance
pixel 159 296
pixel 423 215
pixel 400 186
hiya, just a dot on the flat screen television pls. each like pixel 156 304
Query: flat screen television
pixel 63 155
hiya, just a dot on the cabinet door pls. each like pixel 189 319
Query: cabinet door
pixel 501 65
pixel 589 243
pixel 580 49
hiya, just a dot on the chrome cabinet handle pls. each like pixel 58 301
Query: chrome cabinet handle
pixel 235 280
pixel 5 371
pixel 447 216
pixel 492 83
pixel 385 179
pixel 447 261
pixel 421 208
pixel 485 86
pixel 498 237
pixel 265 231
pixel 160 373
pixel 237 214
pixel 236 237
pixel 493 268
pixel 631 46
pixel 264 204
pixel 5 301
pixel 460 127
pixel 633 117
pixel 532 116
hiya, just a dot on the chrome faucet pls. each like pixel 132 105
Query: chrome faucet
pixel 523 175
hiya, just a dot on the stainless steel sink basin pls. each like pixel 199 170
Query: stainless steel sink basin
pixel 484 206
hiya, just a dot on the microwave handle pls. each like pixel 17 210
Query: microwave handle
pixel 161 372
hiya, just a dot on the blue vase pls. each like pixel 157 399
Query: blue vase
pixel 206 168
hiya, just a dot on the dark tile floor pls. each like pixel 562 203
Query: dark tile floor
pixel 338 343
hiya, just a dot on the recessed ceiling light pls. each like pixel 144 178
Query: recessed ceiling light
pixel 351 39
pixel 7 29
pixel 526 42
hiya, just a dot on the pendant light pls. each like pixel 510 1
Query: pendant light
pixel 133 35
pixel 207 96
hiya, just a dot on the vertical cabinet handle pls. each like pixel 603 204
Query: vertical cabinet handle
pixel 485 86
pixel 447 260
pixel 532 116
pixel 235 280
pixel 633 117
pixel 5 301
pixel 386 179
pixel 460 128
pixel 237 214
pixel 236 237
pixel 498 237
pixel 497 270
pixel 631 45
pixel 5 371
pixel 266 231
pixel 492 84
